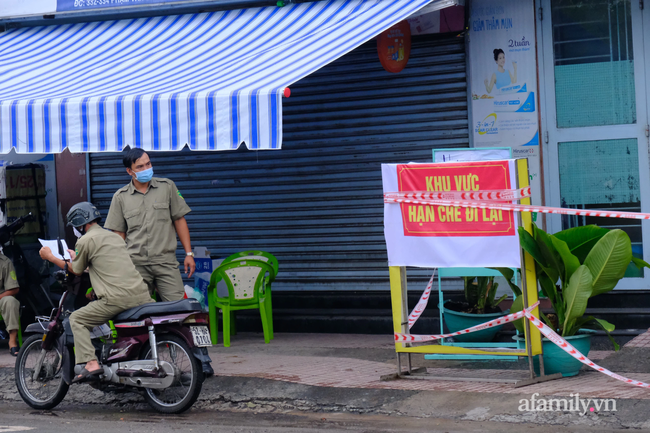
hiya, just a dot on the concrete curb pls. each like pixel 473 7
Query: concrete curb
pixel 255 395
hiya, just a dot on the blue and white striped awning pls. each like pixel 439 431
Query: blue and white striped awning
pixel 210 81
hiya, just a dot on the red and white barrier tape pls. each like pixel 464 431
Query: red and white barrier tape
pixel 568 348
pixel 497 195
pixel 545 330
pixel 422 303
pixel 523 208
pixel 496 322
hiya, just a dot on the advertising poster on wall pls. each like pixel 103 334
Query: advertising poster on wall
pixel 503 80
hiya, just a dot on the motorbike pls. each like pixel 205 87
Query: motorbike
pixel 155 349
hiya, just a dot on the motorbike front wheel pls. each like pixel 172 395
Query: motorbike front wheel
pixel 47 389
pixel 186 388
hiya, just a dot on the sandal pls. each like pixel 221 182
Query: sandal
pixel 86 375
pixel 14 351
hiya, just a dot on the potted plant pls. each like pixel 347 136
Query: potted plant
pixel 572 266
pixel 479 307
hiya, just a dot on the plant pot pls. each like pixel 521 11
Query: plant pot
pixel 557 360
pixel 456 321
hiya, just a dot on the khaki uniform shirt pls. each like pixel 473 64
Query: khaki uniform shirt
pixel 147 219
pixel 112 273
pixel 8 280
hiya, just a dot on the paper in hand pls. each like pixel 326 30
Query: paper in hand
pixel 53 245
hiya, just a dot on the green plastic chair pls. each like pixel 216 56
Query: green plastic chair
pixel 20 332
pixel 247 281
pixel 264 257
pixel 255 255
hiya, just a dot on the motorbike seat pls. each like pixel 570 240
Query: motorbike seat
pixel 159 308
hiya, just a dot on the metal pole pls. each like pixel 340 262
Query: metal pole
pixel 405 304
pixel 524 293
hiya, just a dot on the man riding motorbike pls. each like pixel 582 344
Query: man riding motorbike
pixel 117 284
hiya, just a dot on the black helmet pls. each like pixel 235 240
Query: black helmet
pixel 82 213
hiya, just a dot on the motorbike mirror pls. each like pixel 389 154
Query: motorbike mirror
pixel 60 245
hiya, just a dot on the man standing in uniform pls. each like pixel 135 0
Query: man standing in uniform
pixel 148 213
pixel 117 284
pixel 9 305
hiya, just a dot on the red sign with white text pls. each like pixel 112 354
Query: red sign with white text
pixel 422 220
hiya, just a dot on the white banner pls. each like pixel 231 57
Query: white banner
pixel 448 236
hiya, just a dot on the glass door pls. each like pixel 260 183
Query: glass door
pixel 595 122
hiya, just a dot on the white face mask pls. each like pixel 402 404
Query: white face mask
pixel 77 233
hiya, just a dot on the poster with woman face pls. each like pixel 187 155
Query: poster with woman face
pixel 503 80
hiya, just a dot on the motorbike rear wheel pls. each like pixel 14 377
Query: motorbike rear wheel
pixel 186 388
pixel 49 388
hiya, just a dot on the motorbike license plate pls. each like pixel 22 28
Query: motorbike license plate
pixel 201 336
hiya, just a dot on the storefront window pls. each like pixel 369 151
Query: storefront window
pixel 594 64
pixel 603 175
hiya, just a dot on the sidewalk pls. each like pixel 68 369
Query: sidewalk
pixel 330 373
pixel 358 361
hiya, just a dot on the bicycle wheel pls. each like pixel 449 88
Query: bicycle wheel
pixel 48 389
pixel 187 385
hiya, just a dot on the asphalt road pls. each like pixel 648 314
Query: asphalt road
pixel 17 417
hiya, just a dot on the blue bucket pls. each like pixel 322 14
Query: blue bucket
pixel 456 321
pixel 557 360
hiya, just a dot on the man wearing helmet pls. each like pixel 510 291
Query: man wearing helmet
pixel 117 284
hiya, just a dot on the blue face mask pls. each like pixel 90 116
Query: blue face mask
pixel 144 176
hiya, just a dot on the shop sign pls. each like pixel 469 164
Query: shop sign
pixel 422 220
pixel 449 236
pixel 394 47
pixel 79 5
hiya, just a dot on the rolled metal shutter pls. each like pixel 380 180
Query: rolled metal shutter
pixel 317 203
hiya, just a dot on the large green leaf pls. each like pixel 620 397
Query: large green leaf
pixel 571 262
pixel 640 263
pixel 592 323
pixel 529 245
pixel 549 289
pixel 576 295
pixel 554 266
pixel 581 240
pixel 509 274
pixel 608 328
pixel 608 260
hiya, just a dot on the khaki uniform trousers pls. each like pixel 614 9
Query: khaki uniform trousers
pixel 10 311
pixel 95 314
pixel 166 278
